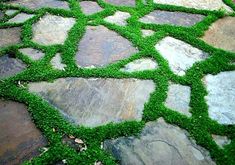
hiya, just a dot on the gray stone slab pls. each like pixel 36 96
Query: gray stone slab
pixel 172 18
pixel 101 46
pixel 10 12
pixel 147 33
pixel 221 141
pixel 119 18
pixel 221 34
pixel 90 7
pixel 10 36
pixel 52 29
pixel 33 54
pixel 20 18
pixel 96 102
pixel 10 66
pixel 159 144
pixel 221 96
pixel 56 62
pixel 130 3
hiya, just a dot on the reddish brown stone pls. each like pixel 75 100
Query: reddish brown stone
pixel 19 138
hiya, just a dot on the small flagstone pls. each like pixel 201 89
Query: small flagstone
pixel 147 33
pixel 52 29
pixel 90 7
pixel 10 12
pixel 10 66
pixel 37 4
pixel 56 62
pixel 197 4
pixel 119 18
pixel 221 141
pixel 20 140
pixel 158 144
pixel 10 36
pixel 221 96
pixel 101 46
pixel 20 18
pixel 172 18
pixel 221 34
pixel 33 54
pixel 1 14
pixel 130 3
pixel 180 55
pixel 95 102
pixel 140 65
pixel 178 98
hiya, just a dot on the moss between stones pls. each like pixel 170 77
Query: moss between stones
pixel 46 118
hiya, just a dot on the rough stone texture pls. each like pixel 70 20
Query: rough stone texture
pixel 19 138
pixel 147 33
pixel 180 55
pixel 178 98
pixel 172 18
pixel 33 54
pixel 52 29
pixel 121 2
pixel 221 141
pixel 56 62
pixel 221 34
pixel 101 46
pixel 140 65
pixel 10 36
pixel 1 15
pixel 221 96
pixel 10 12
pixel 20 18
pixel 10 66
pixel 197 4
pixel 90 7
pixel 158 144
pixel 119 18
pixel 95 102
pixel 37 4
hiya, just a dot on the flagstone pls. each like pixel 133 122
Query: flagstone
pixel 10 12
pixel 20 140
pixel 130 3
pixel 221 34
pixel 180 55
pixel 221 96
pixel 101 46
pixel 56 62
pixel 52 29
pixel 172 18
pixel 10 36
pixel 221 141
pixel 119 18
pixel 147 33
pixel 33 54
pixel 90 7
pixel 95 102
pixel 159 143
pixel 20 18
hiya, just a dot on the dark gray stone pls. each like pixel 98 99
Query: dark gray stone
pixel 95 102
pixel 20 140
pixel 10 66
pixel 10 36
pixel 172 18
pixel 90 7
pixel 121 2
pixel 159 144
pixel 33 54
pixel 101 46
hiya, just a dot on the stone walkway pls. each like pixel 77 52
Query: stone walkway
pixel 145 82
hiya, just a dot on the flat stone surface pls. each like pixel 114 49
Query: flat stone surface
pixel 221 34
pixel 37 4
pixel 20 140
pixel 1 15
pixel 147 33
pixel 221 96
pixel 221 141
pixel 178 98
pixel 10 12
pixel 20 18
pixel 90 7
pixel 119 18
pixel 56 62
pixel 52 29
pixel 33 54
pixel 10 66
pixel 159 144
pixel 121 2
pixel 101 46
pixel 197 4
pixel 180 55
pixel 172 18
pixel 10 36
pixel 140 65
pixel 95 102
